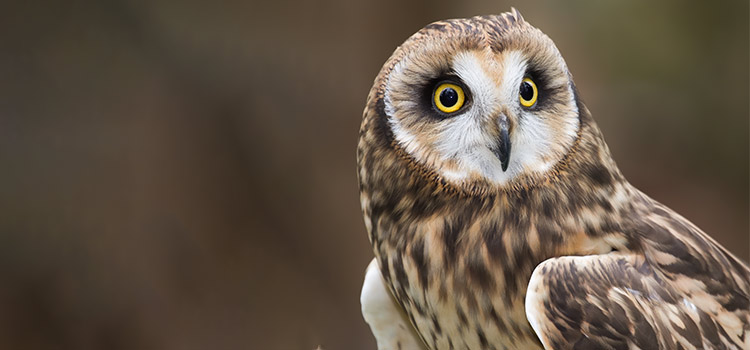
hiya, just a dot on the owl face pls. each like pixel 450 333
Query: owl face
pixel 482 100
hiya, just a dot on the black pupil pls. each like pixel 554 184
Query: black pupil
pixel 448 97
pixel 527 92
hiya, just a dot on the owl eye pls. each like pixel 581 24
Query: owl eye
pixel 528 92
pixel 448 97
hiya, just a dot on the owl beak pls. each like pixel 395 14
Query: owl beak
pixel 502 149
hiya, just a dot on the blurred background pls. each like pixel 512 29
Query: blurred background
pixel 181 174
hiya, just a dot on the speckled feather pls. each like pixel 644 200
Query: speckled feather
pixel 609 267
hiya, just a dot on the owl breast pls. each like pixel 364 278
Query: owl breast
pixel 461 276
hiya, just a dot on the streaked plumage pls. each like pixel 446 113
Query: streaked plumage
pixel 507 226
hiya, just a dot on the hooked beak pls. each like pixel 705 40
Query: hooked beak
pixel 502 149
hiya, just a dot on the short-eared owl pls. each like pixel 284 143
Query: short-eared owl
pixel 499 220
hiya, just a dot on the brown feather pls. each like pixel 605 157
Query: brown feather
pixel 458 256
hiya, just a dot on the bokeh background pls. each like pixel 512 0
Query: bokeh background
pixel 181 174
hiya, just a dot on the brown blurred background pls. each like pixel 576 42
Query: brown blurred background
pixel 181 174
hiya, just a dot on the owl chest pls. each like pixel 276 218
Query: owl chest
pixel 460 297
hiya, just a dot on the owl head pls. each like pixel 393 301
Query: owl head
pixel 482 102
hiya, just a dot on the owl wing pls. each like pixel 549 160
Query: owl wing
pixel 388 322
pixel 668 296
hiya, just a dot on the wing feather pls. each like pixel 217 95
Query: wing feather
pixel 618 301
pixel 675 288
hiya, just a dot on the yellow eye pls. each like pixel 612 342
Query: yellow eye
pixel 448 97
pixel 528 92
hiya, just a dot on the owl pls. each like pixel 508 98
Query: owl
pixel 499 220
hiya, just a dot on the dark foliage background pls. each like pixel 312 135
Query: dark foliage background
pixel 181 174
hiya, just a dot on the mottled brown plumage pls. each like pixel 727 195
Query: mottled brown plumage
pixel 459 240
